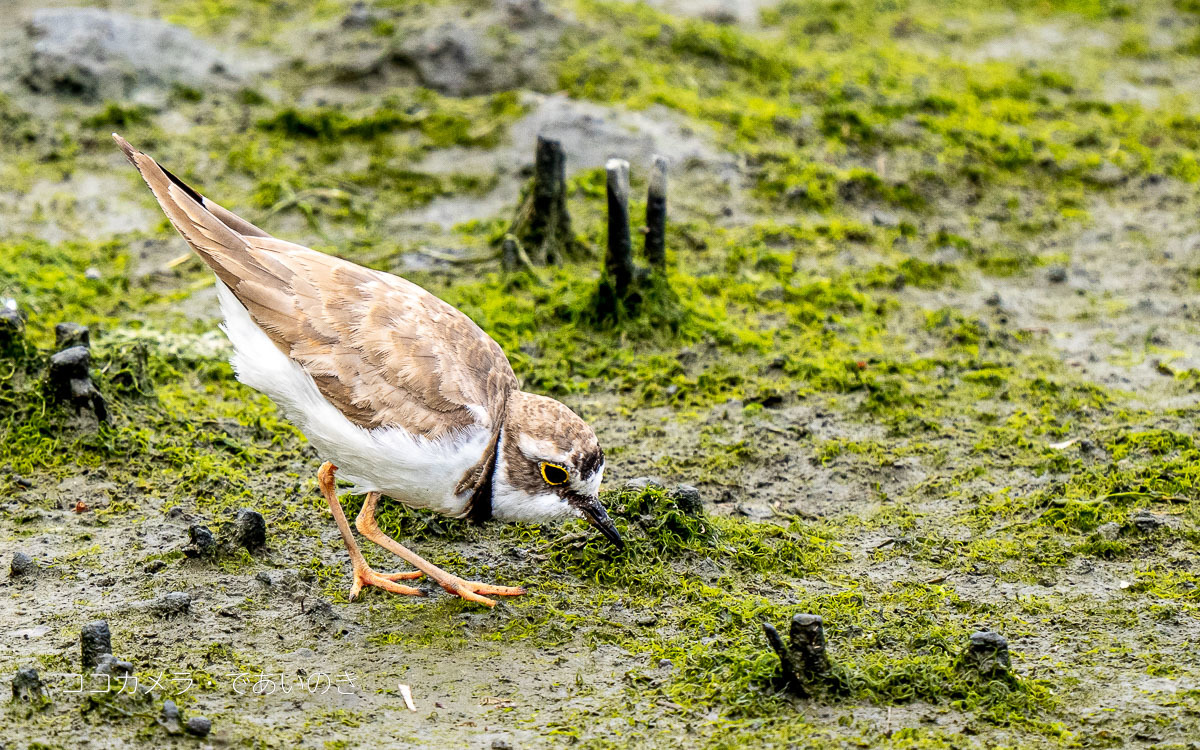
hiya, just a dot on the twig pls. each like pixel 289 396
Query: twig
pixel 456 259
pixel 294 198
pixel 512 254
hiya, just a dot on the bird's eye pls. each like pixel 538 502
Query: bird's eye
pixel 553 473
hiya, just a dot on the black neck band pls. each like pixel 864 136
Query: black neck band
pixel 481 501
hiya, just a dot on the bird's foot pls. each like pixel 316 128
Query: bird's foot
pixel 364 576
pixel 471 590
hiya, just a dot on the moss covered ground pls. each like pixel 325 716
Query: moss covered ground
pixel 933 369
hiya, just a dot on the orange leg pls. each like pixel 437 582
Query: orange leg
pixel 363 575
pixel 469 590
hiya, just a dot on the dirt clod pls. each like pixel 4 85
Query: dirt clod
pixel 688 499
pixel 67 335
pixel 987 653
pixel 110 665
pixel 169 718
pixel 22 565
pixel 172 604
pixel 199 726
pixel 27 686
pixel 203 543
pixel 640 483
pixel 1145 521
pixel 250 529
pixel 95 54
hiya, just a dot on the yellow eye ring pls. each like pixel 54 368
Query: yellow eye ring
pixel 556 474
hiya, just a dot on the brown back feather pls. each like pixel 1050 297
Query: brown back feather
pixel 383 350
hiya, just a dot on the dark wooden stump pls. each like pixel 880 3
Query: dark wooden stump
pixel 68 380
pixel 618 263
pixel 804 665
pixel 542 225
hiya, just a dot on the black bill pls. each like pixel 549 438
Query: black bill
pixel 595 514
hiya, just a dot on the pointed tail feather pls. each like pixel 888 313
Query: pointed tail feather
pixel 224 215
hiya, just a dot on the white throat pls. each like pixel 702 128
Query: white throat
pixel 512 504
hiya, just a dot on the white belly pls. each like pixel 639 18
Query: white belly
pixel 411 468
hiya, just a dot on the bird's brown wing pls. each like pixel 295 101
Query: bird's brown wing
pixel 381 349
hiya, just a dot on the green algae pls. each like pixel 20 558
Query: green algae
pixel 771 322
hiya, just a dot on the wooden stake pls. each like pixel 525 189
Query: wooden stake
pixel 655 247
pixel 619 262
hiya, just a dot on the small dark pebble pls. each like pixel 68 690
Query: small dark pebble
pixel 169 719
pixel 993 300
pixel 22 481
pixel 1057 274
pixel 67 335
pixel 499 744
pixel 172 604
pixel 199 726
pixel 250 529
pixel 22 565
pixel 27 686
pixel 154 566
pixel 687 498
pixel 95 640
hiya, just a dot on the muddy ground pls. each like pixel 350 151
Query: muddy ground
pixel 932 366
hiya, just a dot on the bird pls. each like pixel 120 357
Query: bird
pixel 399 392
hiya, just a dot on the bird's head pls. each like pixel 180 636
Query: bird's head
pixel 548 465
